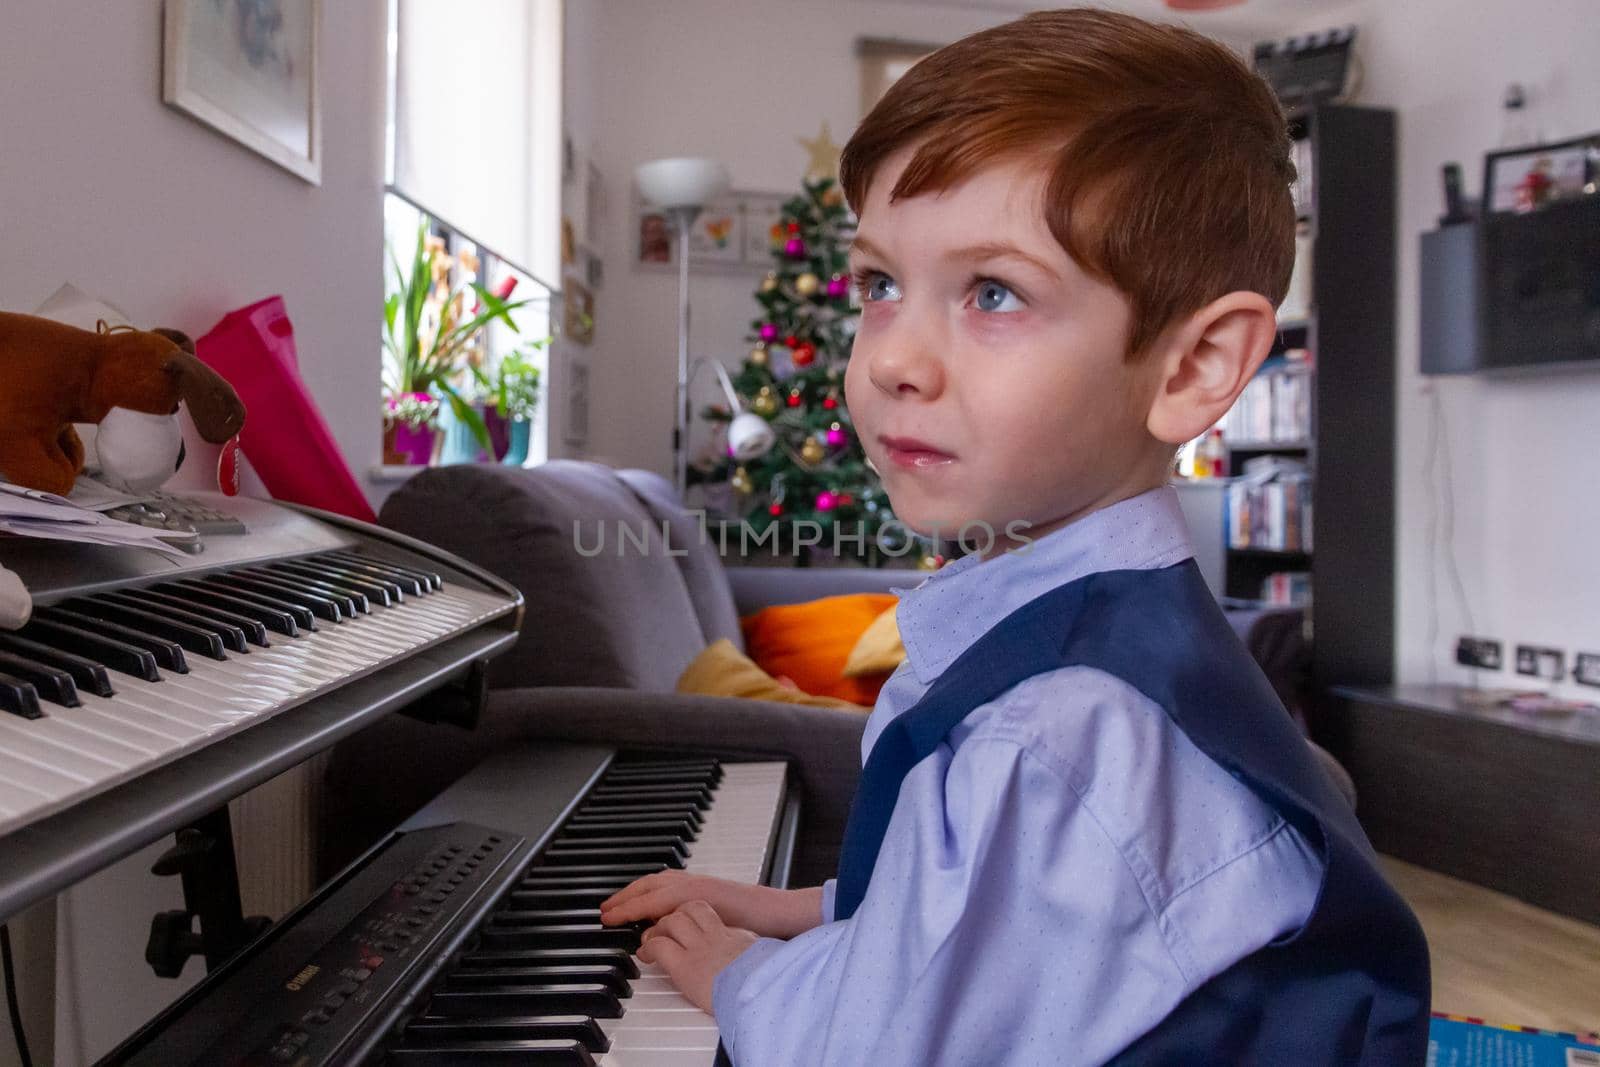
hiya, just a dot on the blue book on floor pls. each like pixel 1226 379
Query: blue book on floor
pixel 1454 1041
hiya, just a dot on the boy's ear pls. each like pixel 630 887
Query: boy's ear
pixel 1206 361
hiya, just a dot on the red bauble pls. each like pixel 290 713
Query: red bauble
pixel 794 400
pixel 829 402
pixel 845 499
pixel 774 509
pixel 793 227
pixel 804 354
pixel 791 341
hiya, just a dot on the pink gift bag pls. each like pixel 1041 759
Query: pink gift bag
pixel 285 436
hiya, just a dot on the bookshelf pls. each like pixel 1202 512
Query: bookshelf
pixel 1328 391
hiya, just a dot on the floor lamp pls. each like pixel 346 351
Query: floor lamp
pixel 681 187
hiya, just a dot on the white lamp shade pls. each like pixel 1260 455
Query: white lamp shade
pixel 670 183
pixel 750 436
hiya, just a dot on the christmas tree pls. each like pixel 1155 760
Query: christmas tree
pixel 816 472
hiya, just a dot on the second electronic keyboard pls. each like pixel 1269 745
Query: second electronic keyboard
pixel 472 935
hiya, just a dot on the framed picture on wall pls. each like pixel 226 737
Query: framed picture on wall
pixel 1539 173
pixel 576 432
pixel 732 233
pixel 577 320
pixel 250 69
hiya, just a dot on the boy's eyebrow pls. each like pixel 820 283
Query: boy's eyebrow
pixel 980 251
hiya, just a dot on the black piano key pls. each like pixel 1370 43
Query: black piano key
pixel 572 840
pixel 297 611
pixel 413 586
pixel 166 654
pixel 644 811
pixel 557 998
pixel 710 773
pixel 509 1053
pixel 385 593
pixel 19 698
pixel 438 1029
pixel 540 899
pixel 236 630
pixel 117 655
pixel 603 797
pixel 579 935
pixel 202 640
pixel 545 916
pixel 51 683
pixel 87 675
pixel 352 604
pixel 617 959
pixel 320 606
pixel 628 764
pixel 660 779
pixel 474 977
pixel 587 826
pixel 278 620
pixel 572 875
pixel 431 581
pixel 666 855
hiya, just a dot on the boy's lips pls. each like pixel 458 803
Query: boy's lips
pixel 909 452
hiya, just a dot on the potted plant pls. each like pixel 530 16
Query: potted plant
pixel 409 428
pixel 433 321
pixel 512 398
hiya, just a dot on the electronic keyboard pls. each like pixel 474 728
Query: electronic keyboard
pixel 471 935
pixel 147 691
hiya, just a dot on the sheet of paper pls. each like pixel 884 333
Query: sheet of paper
pixel 33 513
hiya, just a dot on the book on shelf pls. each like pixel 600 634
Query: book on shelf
pixel 1460 1041
pixel 1290 589
pixel 1276 404
pixel 1269 506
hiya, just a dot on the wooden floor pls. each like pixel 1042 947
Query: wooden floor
pixel 1500 960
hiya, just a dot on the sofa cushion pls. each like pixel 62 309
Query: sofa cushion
pixel 720 670
pixel 698 562
pixel 606 604
pixel 810 643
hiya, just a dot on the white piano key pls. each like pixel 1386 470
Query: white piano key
pixel 47 764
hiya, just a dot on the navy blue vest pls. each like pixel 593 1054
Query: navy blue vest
pixel 1352 986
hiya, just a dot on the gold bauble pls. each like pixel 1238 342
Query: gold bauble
pixel 758 355
pixel 741 481
pixel 813 451
pixel 929 562
pixel 765 403
pixel 770 282
pixel 806 284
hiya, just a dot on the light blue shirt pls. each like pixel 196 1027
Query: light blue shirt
pixel 1055 879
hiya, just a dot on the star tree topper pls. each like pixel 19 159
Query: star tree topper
pixel 824 155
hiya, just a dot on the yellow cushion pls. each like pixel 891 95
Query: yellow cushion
pixel 810 642
pixel 879 650
pixel 723 671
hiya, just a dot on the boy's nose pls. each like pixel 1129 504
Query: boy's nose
pixel 903 367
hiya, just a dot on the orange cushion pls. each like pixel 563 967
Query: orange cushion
pixel 810 643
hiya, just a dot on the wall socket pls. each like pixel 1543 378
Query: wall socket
pixel 1535 662
pixel 1586 669
pixel 1479 652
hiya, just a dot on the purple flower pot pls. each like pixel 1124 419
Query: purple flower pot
pixel 499 431
pixel 408 445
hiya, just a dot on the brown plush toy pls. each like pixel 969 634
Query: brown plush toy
pixel 53 375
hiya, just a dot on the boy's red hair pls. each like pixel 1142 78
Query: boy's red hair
pixel 1169 158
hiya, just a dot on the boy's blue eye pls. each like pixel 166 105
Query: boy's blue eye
pixel 994 296
pixel 875 285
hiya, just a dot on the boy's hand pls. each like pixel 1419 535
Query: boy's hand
pixel 768 912
pixel 693 945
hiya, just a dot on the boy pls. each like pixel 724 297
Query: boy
pixel 1085 829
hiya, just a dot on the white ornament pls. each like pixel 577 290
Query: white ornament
pixel 138 452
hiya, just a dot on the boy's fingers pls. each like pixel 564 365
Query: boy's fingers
pixel 641 885
pixel 702 914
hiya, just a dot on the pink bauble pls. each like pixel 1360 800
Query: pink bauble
pixel 826 501
pixel 838 287
pixel 795 248
pixel 835 437
pixel 769 332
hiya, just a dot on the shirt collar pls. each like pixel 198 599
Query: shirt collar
pixel 953 607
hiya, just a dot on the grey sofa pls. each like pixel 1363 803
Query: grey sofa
pixel 609 628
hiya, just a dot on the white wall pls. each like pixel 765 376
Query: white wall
pixel 1521 451
pixel 103 185
pixel 738 82
pixel 139 205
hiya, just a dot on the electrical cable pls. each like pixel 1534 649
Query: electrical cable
pixel 11 996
